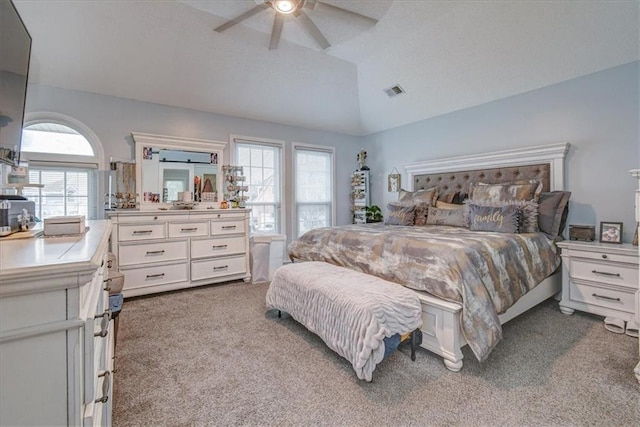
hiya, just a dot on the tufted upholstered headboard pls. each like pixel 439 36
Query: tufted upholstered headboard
pixel 453 174
pixel 453 182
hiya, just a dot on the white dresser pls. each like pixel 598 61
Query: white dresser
pixel 165 250
pixel 56 340
pixel 599 278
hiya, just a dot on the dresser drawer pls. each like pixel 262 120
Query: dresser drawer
pixel 604 256
pixel 141 232
pixel 602 297
pixel 227 227
pixel 218 267
pixel 206 248
pixel 141 277
pixel 605 272
pixel 188 229
pixel 132 254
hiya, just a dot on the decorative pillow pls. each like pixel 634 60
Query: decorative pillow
pixel 421 211
pixel 446 197
pixel 553 210
pixel 492 218
pixel 428 196
pixel 443 205
pixel 452 217
pixel 500 192
pixel 399 214
pixel 527 211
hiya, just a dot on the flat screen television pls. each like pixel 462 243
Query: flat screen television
pixel 15 53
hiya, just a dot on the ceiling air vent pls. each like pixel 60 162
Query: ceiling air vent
pixel 394 91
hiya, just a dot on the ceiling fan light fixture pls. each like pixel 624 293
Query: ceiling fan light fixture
pixel 285 6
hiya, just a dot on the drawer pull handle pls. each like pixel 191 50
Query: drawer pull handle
pixel 228 227
pixel 153 276
pixel 221 268
pixel 104 325
pixel 106 384
pixel 155 252
pixel 604 256
pixel 605 273
pixel 143 232
pixel 189 229
pixel 107 288
pixel 219 246
pixel 107 312
pixel 605 297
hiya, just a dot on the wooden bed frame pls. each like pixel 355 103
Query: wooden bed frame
pixel 441 319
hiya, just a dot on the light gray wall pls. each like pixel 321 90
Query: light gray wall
pixel 113 119
pixel 597 114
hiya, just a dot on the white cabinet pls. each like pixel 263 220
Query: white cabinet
pixel 176 249
pixel 56 336
pixel 599 278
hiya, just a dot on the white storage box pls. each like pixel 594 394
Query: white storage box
pixel 62 225
pixel 267 254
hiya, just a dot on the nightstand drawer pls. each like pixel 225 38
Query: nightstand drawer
pixel 604 256
pixel 602 297
pixel 605 272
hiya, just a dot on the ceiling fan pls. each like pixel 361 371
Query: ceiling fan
pixel 283 8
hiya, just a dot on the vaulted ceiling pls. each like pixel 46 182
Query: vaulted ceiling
pixel 447 55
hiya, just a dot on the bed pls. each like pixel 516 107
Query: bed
pixel 465 297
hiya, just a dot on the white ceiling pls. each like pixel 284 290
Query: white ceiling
pixel 447 55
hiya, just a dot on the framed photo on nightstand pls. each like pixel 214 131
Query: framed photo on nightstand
pixel 611 232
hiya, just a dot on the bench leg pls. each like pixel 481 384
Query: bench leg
pixel 414 338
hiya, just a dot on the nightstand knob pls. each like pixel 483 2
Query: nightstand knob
pixel 604 256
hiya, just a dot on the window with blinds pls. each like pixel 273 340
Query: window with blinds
pixel 261 162
pixel 64 162
pixel 65 191
pixel 314 195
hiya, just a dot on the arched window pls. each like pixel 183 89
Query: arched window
pixel 65 162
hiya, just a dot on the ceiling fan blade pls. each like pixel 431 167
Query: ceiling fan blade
pixel 276 31
pixel 240 18
pixel 311 28
pixel 372 21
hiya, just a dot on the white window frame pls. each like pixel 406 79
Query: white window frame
pixel 279 208
pixel 313 147
pixel 64 162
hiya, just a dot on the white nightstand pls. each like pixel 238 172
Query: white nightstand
pixel 599 278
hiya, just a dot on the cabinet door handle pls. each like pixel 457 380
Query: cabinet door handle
pixel 605 273
pixel 228 227
pixel 106 384
pixel 107 288
pixel 220 268
pixel 104 326
pixel 605 297
pixel 107 313
pixel 142 231
pixel 189 229
pixel 153 276
pixel 155 252
pixel 219 246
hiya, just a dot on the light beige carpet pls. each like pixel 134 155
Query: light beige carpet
pixel 211 356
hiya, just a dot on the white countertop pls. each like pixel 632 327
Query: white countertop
pixel 50 257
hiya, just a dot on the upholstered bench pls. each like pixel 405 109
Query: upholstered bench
pixel 351 312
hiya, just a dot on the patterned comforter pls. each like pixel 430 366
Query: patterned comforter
pixel 485 272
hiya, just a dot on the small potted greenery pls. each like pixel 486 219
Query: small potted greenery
pixel 374 214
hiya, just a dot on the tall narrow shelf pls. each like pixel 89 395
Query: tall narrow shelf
pixel 360 196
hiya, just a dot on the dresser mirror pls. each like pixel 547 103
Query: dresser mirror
pixel 178 172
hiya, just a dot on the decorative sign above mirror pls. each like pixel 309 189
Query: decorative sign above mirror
pixel 178 172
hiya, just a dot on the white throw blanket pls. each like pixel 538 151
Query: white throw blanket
pixel 352 312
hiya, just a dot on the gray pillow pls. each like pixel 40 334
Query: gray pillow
pixel 502 219
pixel 552 213
pixel 481 192
pixel 444 216
pixel 399 214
